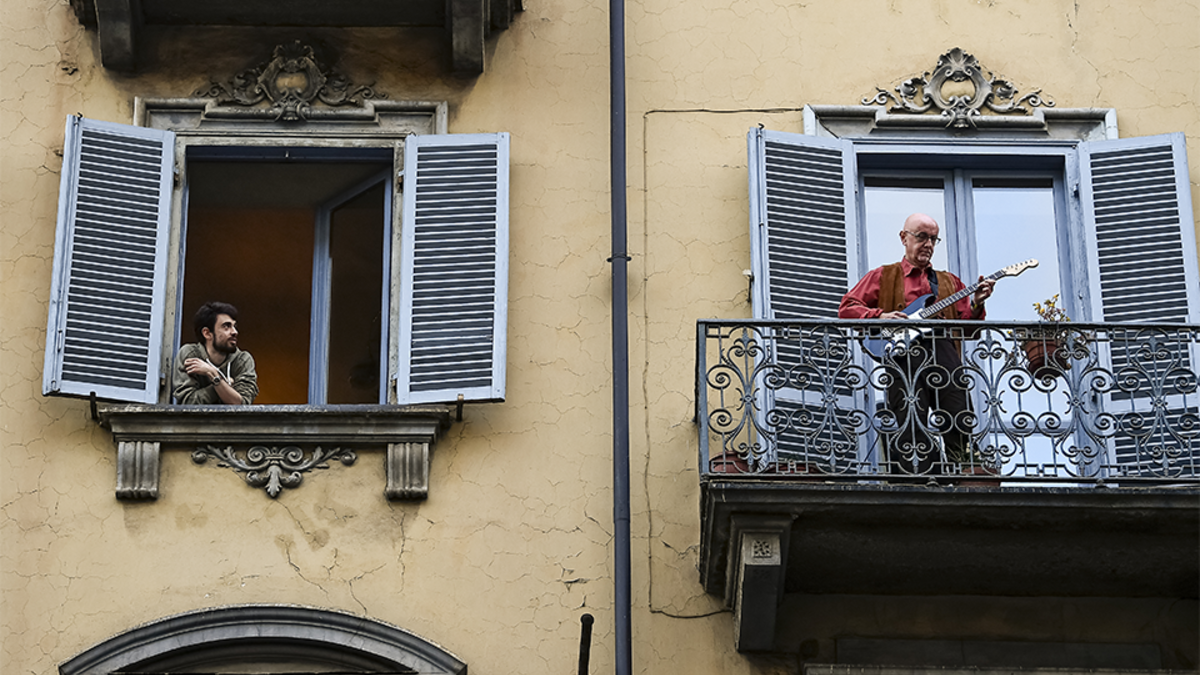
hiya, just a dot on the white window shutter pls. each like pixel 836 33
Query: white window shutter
pixel 803 220
pixel 454 268
pixel 804 257
pixel 1141 240
pixel 1138 212
pixel 104 334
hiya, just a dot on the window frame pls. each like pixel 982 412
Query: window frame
pixel 306 149
pixel 255 148
pixel 963 160
pixel 958 229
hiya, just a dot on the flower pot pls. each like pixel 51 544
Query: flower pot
pixel 978 475
pixel 735 464
pixel 728 462
pixel 1046 357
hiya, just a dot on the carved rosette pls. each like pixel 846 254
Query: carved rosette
pixel 273 468
pixel 922 93
pixel 291 81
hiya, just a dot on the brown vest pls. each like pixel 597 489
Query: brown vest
pixel 891 291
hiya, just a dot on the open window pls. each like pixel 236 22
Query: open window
pixel 365 271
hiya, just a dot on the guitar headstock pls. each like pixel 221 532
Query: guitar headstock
pixel 1014 270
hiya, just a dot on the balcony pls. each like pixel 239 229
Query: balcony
pixel 834 459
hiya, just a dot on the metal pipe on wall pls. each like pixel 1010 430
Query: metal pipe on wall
pixel 622 596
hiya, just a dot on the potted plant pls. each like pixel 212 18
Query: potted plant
pixel 1045 347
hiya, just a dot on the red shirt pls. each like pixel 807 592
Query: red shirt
pixel 862 302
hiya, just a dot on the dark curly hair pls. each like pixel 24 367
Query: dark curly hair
pixel 206 317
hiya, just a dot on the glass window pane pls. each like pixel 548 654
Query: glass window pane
pixel 888 202
pixel 1014 223
pixel 356 296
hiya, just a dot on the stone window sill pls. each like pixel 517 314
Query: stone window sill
pixel 272 446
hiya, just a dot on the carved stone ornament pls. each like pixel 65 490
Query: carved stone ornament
pixel 922 93
pixel 273 468
pixel 291 82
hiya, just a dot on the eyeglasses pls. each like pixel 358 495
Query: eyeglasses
pixel 922 237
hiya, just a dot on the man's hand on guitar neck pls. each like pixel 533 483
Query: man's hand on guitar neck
pixel 986 286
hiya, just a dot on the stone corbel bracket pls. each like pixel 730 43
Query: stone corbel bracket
pixel 757 571
pixel 407 434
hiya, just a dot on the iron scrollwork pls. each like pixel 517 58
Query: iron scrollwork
pixel 798 398
pixel 922 93
pixel 273 468
pixel 291 81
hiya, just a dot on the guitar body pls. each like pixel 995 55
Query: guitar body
pixel 878 346
pixel 913 311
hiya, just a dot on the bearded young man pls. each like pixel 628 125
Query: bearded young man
pixel 214 370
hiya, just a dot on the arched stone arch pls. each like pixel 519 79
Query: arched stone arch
pixel 262 638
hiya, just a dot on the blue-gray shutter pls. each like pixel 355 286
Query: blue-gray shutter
pixel 454 268
pixel 803 220
pixel 104 333
pixel 804 257
pixel 1141 240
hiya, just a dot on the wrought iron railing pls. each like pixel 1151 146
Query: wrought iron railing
pixel 984 402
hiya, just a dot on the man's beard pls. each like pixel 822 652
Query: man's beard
pixel 227 347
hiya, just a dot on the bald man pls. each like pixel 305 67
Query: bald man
pixel 883 294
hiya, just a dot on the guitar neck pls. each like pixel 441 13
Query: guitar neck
pixel 932 310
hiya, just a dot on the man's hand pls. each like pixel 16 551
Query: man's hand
pixel 221 385
pixel 893 315
pixel 986 286
pixel 195 366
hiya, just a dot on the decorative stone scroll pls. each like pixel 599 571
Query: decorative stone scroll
pixel 273 468
pixel 291 81
pixel 922 93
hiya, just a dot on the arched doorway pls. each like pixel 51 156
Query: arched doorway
pixel 264 639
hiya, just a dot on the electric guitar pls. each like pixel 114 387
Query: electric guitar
pixel 924 307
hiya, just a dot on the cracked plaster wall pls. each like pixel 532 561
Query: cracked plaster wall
pixel 512 545
pixel 701 75
pixel 514 542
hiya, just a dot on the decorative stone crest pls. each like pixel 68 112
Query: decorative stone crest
pixel 291 82
pixel 273 468
pixel 921 93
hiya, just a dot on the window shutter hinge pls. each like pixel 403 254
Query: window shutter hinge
pixel 1075 190
pixel 400 178
pixel 175 179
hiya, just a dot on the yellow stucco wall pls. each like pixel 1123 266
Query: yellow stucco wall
pixel 514 542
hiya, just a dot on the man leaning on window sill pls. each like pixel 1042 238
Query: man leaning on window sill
pixel 214 370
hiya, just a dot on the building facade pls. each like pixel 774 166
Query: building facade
pixel 411 209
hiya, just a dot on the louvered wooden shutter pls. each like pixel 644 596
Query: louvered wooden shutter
pixel 804 220
pixel 106 299
pixel 804 250
pixel 454 268
pixel 1141 235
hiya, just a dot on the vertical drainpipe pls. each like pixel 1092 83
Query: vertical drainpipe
pixel 622 597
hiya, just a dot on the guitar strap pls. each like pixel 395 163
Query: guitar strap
pixel 933 284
